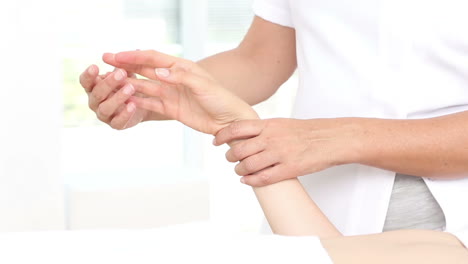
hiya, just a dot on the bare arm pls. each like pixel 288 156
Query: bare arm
pixel 185 92
pixel 290 211
pixel 264 60
pixel 434 147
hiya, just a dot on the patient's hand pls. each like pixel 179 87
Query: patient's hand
pixel 108 96
pixel 179 89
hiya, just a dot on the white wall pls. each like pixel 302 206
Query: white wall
pixel 31 192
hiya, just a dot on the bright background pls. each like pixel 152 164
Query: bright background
pixel 60 168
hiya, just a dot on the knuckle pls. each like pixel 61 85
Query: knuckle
pixel 181 69
pixel 238 169
pixel 259 144
pixel 104 111
pixel 230 157
pixel 98 97
pixel 91 104
pixel 100 118
pixel 115 125
pixel 249 165
pixel 235 129
pixel 265 178
pixel 185 65
pixel 237 153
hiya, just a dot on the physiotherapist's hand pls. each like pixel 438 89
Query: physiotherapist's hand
pixel 108 96
pixel 181 90
pixel 278 149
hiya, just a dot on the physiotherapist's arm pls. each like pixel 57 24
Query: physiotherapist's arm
pixel 434 147
pixel 253 71
pixel 264 60
pixel 280 149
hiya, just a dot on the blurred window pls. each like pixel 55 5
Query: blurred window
pixel 93 154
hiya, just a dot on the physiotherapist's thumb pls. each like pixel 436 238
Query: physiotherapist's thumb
pixel 183 76
pixel 163 73
pixel 173 75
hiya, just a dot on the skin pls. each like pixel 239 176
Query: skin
pixel 279 149
pixel 181 90
pixel 286 205
pixel 404 246
pixel 108 97
pixel 263 61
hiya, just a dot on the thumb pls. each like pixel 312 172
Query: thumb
pixel 180 75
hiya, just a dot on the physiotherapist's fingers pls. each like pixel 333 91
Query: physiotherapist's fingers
pixel 88 77
pixel 255 163
pixel 152 104
pixel 144 63
pixel 245 149
pixel 147 87
pixel 141 62
pixel 239 130
pixel 108 108
pixel 104 88
pixel 149 58
pixel 188 74
pixel 140 69
pixel 125 114
pixel 268 176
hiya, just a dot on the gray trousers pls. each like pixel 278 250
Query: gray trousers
pixel 412 206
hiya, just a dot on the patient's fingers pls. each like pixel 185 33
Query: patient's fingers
pixel 147 87
pixel 124 116
pixel 88 77
pixel 108 108
pixel 152 104
pixel 103 89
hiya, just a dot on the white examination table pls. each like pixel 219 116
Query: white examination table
pixel 192 243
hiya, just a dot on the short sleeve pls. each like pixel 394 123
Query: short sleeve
pixel 275 11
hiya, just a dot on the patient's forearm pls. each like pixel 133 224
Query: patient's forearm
pixel 290 211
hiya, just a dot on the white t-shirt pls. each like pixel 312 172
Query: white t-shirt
pixel 395 59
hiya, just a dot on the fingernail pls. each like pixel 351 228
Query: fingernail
pixel 128 89
pixel 91 70
pixel 161 72
pixel 119 75
pixel 214 141
pixel 242 180
pixel 130 107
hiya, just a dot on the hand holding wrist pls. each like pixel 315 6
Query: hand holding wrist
pixel 278 149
